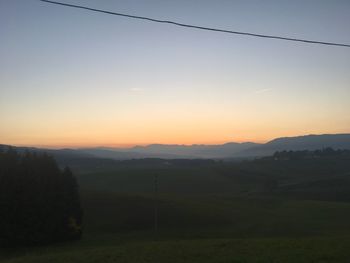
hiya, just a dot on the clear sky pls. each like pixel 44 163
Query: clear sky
pixel 74 78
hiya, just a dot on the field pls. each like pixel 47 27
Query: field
pixel 254 211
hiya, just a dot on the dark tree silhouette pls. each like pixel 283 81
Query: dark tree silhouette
pixel 39 203
pixel 306 154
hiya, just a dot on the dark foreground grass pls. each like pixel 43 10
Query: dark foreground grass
pixel 194 250
pixel 219 228
pixel 203 217
pixel 213 216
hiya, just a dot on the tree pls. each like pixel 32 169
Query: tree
pixel 39 203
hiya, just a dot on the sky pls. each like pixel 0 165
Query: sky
pixel 75 78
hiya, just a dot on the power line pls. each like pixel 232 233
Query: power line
pixel 199 27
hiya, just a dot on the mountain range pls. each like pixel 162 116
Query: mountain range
pixel 222 151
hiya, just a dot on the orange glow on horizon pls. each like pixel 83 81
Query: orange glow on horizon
pixel 72 143
pixel 106 143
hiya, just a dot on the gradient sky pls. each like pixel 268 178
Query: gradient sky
pixel 75 78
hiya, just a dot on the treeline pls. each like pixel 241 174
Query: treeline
pixel 306 154
pixel 39 203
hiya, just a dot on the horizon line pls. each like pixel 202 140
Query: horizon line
pixel 132 145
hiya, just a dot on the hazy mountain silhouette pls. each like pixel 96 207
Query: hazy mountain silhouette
pixel 306 142
pixel 196 151
pixel 129 153
pixel 227 150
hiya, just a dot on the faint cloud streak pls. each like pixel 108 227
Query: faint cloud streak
pixel 136 89
pixel 262 90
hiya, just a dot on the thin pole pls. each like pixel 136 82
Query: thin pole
pixel 156 204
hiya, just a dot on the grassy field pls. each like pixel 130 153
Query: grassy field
pixel 216 216
pixel 215 213
pixel 195 250
pixel 118 228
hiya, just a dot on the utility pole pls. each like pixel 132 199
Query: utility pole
pixel 156 204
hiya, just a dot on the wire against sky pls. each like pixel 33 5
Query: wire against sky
pixel 200 27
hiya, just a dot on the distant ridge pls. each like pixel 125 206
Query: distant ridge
pixel 196 150
pixel 221 151
pixel 305 142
